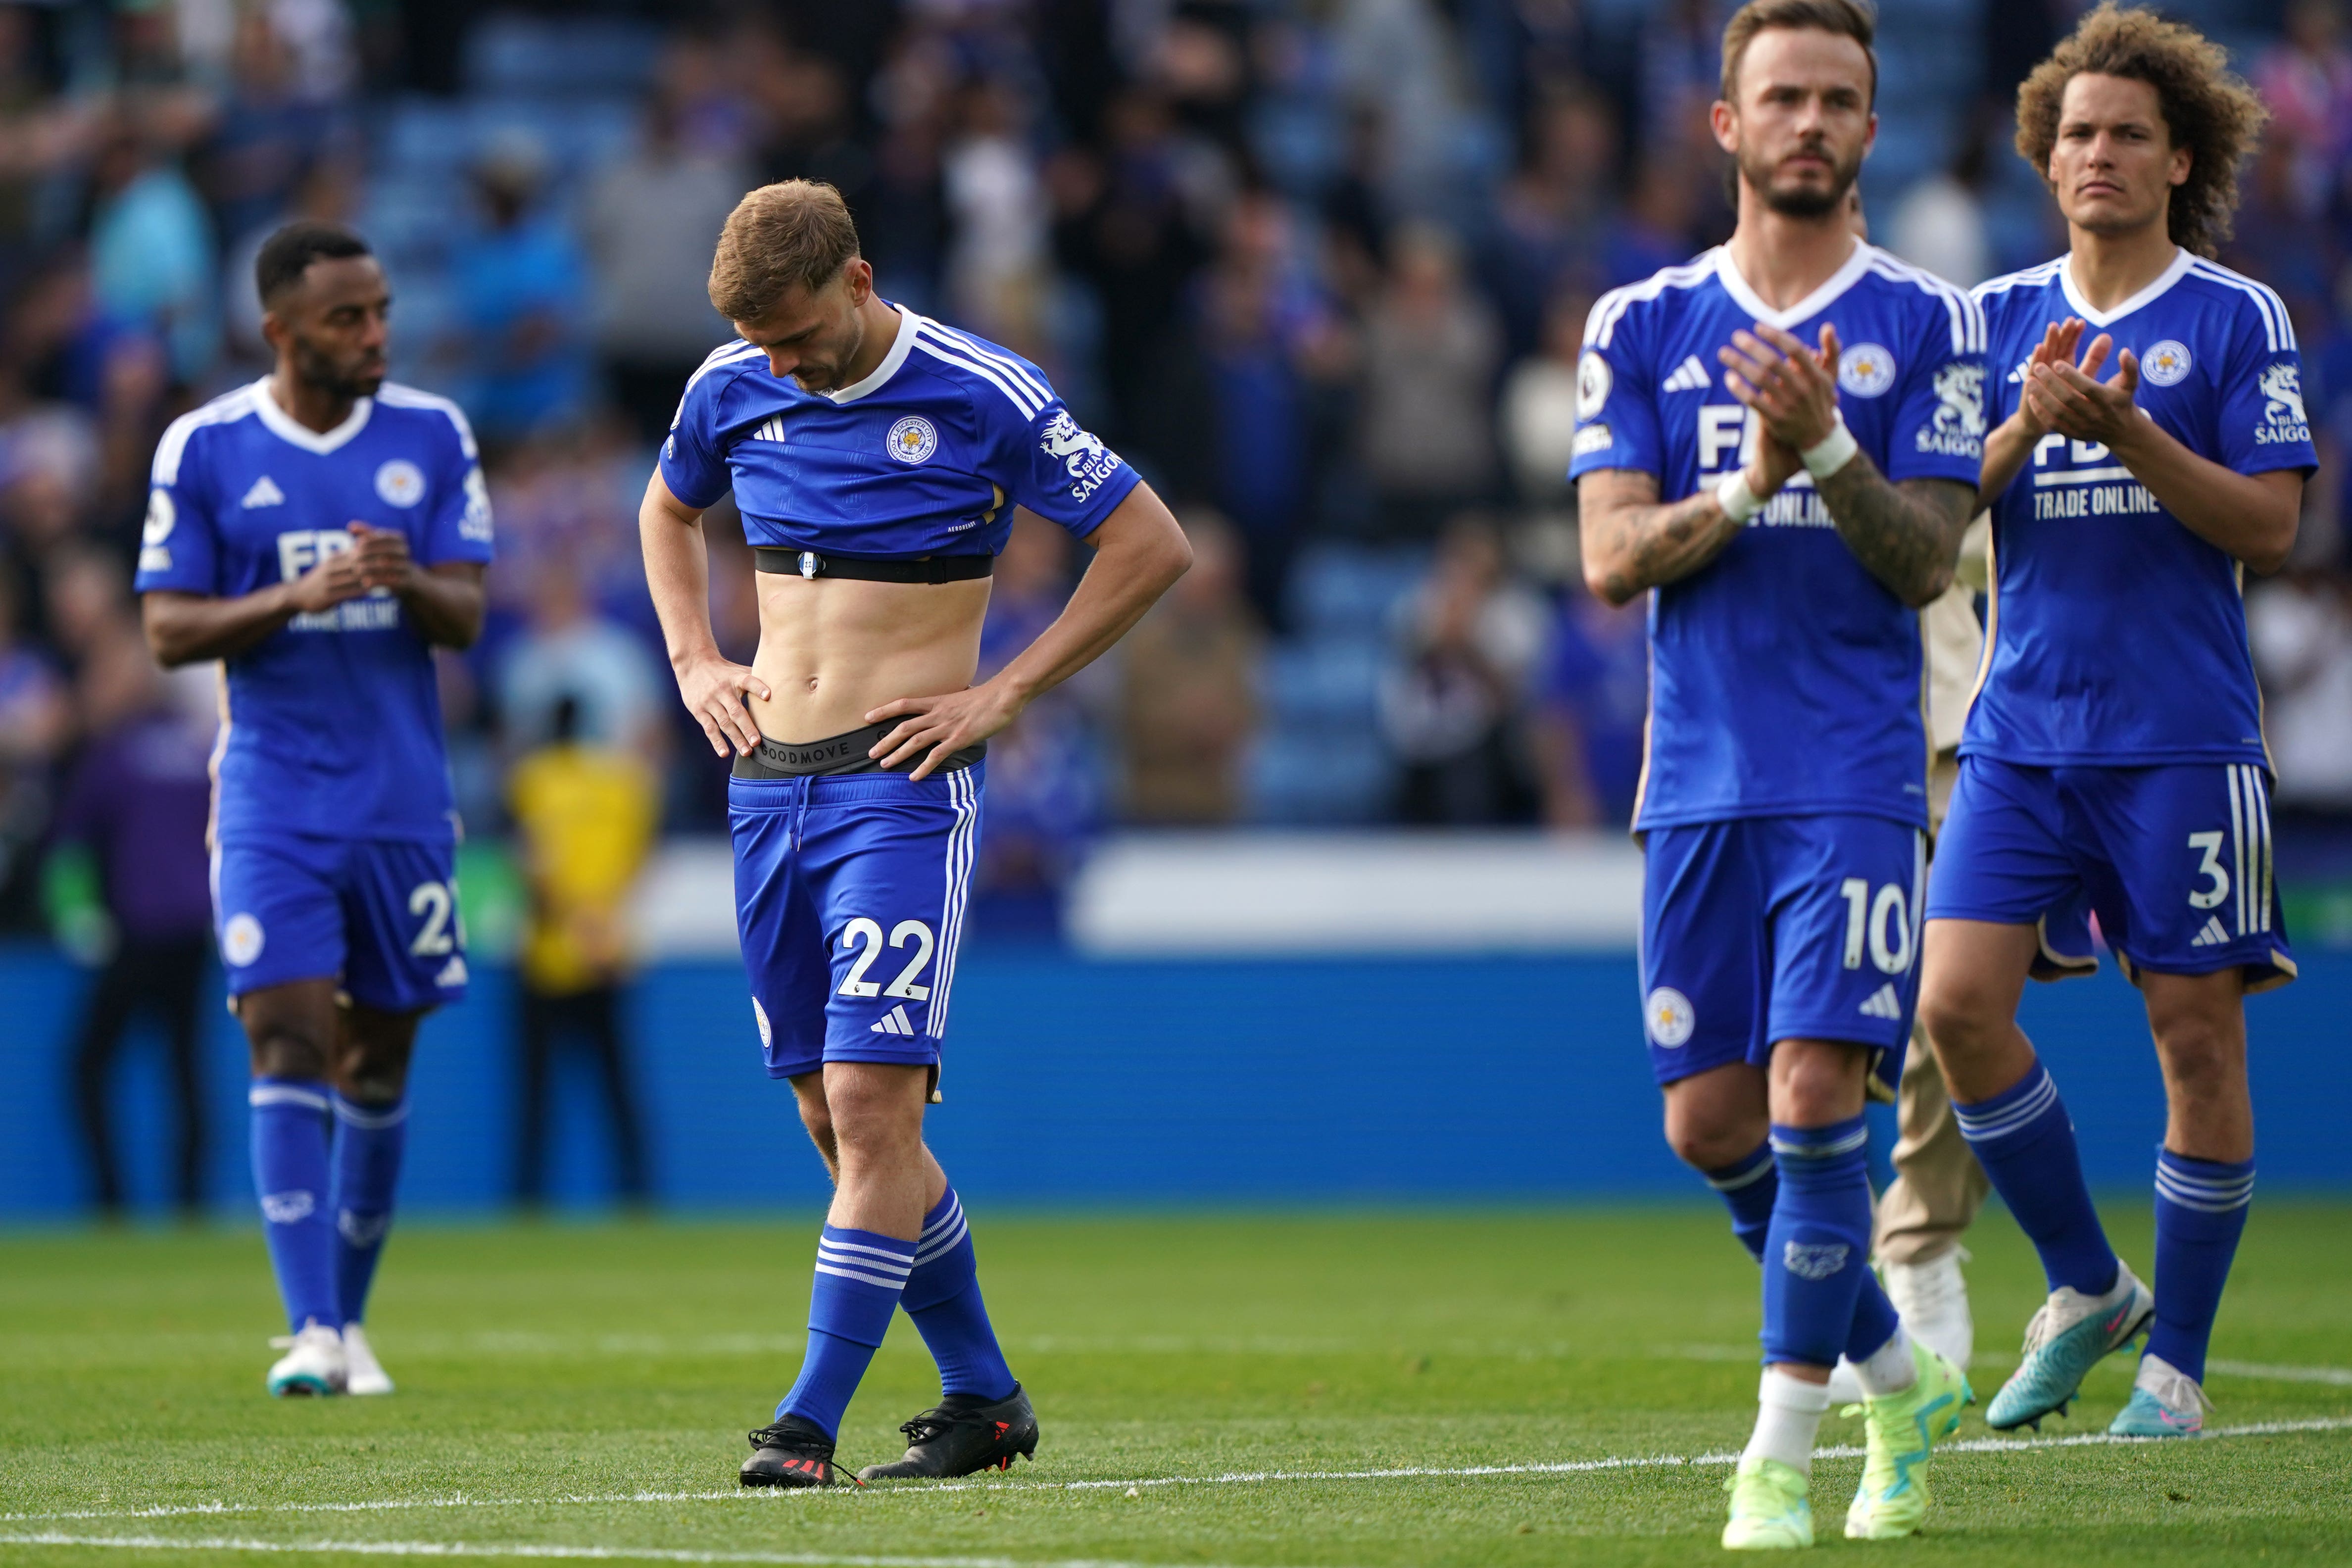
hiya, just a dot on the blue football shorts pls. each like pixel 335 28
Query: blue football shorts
pixel 1779 928
pixel 850 891
pixel 379 916
pixel 2174 860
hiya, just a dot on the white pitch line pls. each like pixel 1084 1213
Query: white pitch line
pixel 2335 1375
pixel 596 1553
pixel 1231 1478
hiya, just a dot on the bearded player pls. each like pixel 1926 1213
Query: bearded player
pixel 319 532
pixel 875 456
pixel 1780 443
pixel 2114 750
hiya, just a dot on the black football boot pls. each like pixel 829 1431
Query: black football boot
pixel 963 1434
pixel 792 1453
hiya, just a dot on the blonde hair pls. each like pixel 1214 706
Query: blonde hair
pixel 794 233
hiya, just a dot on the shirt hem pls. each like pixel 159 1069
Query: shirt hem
pixel 2030 758
pixel 1700 818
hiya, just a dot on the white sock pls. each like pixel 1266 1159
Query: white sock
pixel 1789 1411
pixel 1889 1369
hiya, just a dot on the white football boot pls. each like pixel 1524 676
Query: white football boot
pixel 1933 1300
pixel 362 1373
pixel 312 1366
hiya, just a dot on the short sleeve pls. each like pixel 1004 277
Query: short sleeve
pixel 693 464
pixel 2004 383
pixel 460 528
pixel 179 544
pixel 1616 398
pixel 1046 461
pixel 2260 422
pixel 1940 418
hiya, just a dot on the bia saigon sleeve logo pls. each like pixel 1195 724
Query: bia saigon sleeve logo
pixel 1081 453
pixel 2282 416
pixel 1958 429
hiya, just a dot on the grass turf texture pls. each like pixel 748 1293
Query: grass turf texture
pixel 553 1372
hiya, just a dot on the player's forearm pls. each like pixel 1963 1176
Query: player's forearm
pixel 1908 535
pixel 192 628
pixel 2006 452
pixel 678 577
pixel 2254 517
pixel 1139 552
pixel 445 604
pixel 1630 548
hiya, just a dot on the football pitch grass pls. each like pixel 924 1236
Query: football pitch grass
pixel 1434 1387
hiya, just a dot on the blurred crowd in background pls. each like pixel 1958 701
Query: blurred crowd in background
pixel 1318 268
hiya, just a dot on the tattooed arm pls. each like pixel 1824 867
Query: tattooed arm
pixel 1633 543
pixel 1907 535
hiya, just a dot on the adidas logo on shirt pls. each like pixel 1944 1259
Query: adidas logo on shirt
pixel 2212 935
pixel 773 430
pixel 894 1021
pixel 1883 1004
pixel 1689 376
pixel 264 493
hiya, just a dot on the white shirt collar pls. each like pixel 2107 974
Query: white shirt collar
pixel 900 347
pixel 1726 272
pixel 2181 261
pixel 286 427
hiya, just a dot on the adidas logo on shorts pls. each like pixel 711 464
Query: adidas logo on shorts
pixel 1883 1004
pixel 894 1021
pixel 2213 935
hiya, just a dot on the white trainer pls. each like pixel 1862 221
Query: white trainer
pixel 362 1373
pixel 1933 1300
pixel 312 1366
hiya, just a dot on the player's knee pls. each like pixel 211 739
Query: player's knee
pixel 287 1051
pixel 2199 1057
pixel 1709 1142
pixel 1957 1018
pixel 871 1117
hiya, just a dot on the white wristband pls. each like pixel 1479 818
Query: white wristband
pixel 1832 452
pixel 1737 501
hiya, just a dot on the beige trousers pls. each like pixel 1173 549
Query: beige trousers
pixel 1938 1187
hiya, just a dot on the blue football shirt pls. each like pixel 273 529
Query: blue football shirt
pixel 1785 678
pixel 918 458
pixel 333 722
pixel 2115 635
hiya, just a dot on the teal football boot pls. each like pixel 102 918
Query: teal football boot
pixel 2069 1336
pixel 2165 1402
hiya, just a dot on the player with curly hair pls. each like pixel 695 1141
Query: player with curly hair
pixel 2114 748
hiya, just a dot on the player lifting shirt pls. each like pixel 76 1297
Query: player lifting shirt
pixel 320 532
pixel 2114 748
pixel 875 456
pixel 1812 411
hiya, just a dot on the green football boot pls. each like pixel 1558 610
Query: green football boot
pixel 2165 1402
pixel 1769 1510
pixel 1892 1501
pixel 2069 1336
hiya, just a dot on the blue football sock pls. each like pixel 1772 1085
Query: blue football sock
pixel 1817 1251
pixel 2200 1211
pixel 943 1298
pixel 368 1144
pixel 2025 1141
pixel 1748 1188
pixel 290 1173
pixel 859 1277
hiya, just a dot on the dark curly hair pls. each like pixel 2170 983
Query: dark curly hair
pixel 2208 108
